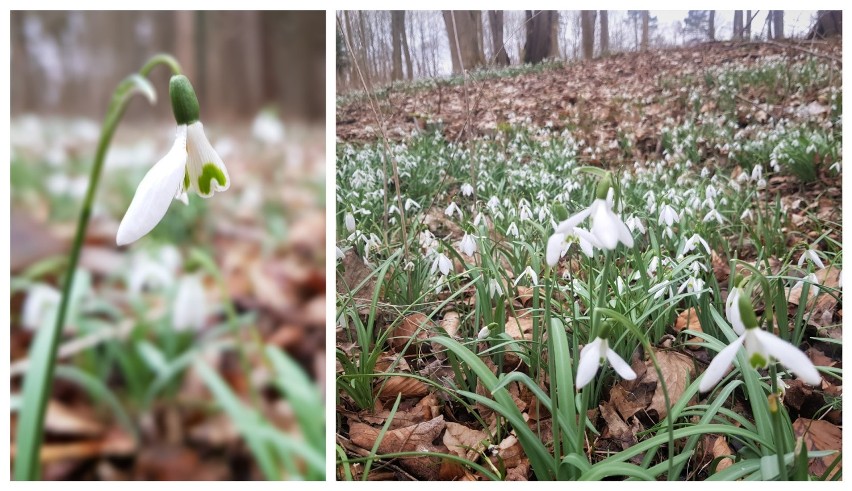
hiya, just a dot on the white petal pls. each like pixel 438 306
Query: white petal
pixel 190 308
pixel 204 162
pixel 155 193
pixel 732 311
pixel 555 244
pixel 624 234
pixel 789 356
pixel 719 366
pixel 574 220
pixel 590 358
pixel 604 228
pixel 621 367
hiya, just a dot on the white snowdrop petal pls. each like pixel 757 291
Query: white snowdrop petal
pixel 604 228
pixel 190 308
pixel 566 226
pixel 155 193
pixel 719 366
pixel 207 172
pixel 621 367
pixel 590 358
pixel 789 356
pixel 554 248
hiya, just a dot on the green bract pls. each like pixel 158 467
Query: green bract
pixel 184 101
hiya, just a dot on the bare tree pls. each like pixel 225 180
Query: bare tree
pixel 711 25
pixel 495 21
pixel 587 26
pixel 646 17
pixel 604 32
pixel 540 35
pixel 464 31
pixel 737 33
pixel 747 28
pixel 397 28
pixel 828 23
pixel 778 23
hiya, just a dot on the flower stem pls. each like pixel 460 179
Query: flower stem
pixel 39 378
pixel 161 59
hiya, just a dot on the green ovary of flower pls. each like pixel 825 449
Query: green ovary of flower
pixel 758 361
pixel 209 172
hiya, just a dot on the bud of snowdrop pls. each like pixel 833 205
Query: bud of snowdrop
pixel 513 230
pixel 191 164
pixel 190 307
pixel 494 288
pixel 483 333
pixel 349 221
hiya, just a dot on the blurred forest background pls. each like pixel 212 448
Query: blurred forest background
pixel 196 352
pixel 64 62
pixel 408 45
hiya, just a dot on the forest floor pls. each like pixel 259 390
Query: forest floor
pixel 727 157
pixel 153 383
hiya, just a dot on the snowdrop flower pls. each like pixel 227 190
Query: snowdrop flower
pixel 494 288
pixel 693 241
pixel 410 203
pixel 493 203
pixel 713 215
pixel 349 221
pixel 692 285
pixel 453 208
pixel 556 247
pixel 528 271
pixel 190 308
pixel 513 230
pixel 668 215
pixel 191 164
pixel 633 223
pixel 467 189
pixel 761 346
pixel 40 306
pixel 746 215
pixel 339 254
pixel 483 333
pixel 593 355
pixel 441 263
pixel 607 228
pixel 813 257
pixel 467 245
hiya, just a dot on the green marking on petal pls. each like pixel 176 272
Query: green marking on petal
pixel 209 172
pixel 185 181
pixel 758 361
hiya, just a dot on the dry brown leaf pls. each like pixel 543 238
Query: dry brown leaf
pixel 407 386
pixel 688 319
pixel 451 323
pixel 61 419
pixel 616 426
pixel 821 306
pixel 465 442
pixel 407 439
pixel 417 326
pixel 721 449
pixel 820 435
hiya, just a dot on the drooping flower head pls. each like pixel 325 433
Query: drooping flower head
pixel 594 354
pixel 761 346
pixel 191 164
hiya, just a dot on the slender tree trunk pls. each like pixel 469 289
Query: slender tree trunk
pixel 778 21
pixel 829 23
pixel 646 18
pixel 711 26
pixel 587 23
pixel 747 28
pixel 604 32
pixel 365 59
pixel 738 25
pixel 406 50
pixel 397 26
pixel 495 20
pixel 540 39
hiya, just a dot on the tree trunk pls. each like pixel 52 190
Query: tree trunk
pixel 365 58
pixel 397 28
pixel 711 26
pixel 464 31
pixel 778 21
pixel 406 50
pixel 646 18
pixel 738 25
pixel 747 28
pixel 495 20
pixel 829 23
pixel 587 26
pixel 604 33
pixel 540 39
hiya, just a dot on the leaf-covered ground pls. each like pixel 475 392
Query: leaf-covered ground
pixel 443 310
pixel 154 383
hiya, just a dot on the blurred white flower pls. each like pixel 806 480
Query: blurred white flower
pixel 693 241
pixel 494 288
pixel 467 245
pixel 441 263
pixel 483 333
pixel 189 311
pixel 267 128
pixel 812 256
pixel 668 215
pixel 528 271
pixel 453 208
pixel 40 307
pixel 349 221
pixel 466 189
